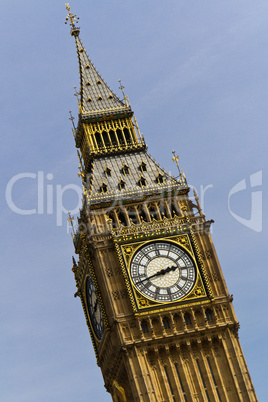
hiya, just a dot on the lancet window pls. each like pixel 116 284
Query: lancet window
pixel 103 188
pixel 121 184
pixel 108 171
pixel 144 327
pixel 160 178
pixel 142 181
pixel 132 213
pixel 209 315
pixel 187 319
pixel 166 323
pixel 143 167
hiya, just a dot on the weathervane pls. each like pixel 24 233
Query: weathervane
pixel 73 19
pixel 181 173
pixel 175 159
pixel 122 89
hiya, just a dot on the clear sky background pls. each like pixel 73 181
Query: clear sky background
pixel 196 73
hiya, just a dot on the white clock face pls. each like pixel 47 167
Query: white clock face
pixel 162 271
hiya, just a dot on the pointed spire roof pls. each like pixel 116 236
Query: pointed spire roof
pixel 96 97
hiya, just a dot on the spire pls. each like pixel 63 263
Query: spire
pixel 96 98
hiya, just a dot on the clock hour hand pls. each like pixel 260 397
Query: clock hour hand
pixel 161 272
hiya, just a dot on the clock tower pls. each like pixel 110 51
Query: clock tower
pixel 153 293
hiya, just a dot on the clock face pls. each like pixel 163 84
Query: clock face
pixel 94 308
pixel 162 271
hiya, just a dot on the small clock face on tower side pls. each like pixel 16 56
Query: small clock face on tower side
pixel 162 271
pixel 94 308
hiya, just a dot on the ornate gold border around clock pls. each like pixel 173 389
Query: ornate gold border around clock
pixel 200 291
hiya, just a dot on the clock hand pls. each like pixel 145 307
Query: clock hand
pixel 95 306
pixel 161 272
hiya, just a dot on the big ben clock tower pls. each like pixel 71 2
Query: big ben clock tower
pixel 153 293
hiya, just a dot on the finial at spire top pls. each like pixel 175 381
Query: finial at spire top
pixel 73 19
pixel 175 159
pixel 125 96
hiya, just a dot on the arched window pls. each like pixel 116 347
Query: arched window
pixel 187 319
pixel 105 139
pixel 98 140
pixel 166 323
pixel 144 327
pixel 125 169
pixel 122 219
pixel 153 211
pixel 110 217
pixel 108 171
pixel 127 135
pixel 209 315
pixel 120 137
pixel 143 167
pixel 121 184
pixel 113 138
pixel 160 178
pixel 142 214
pixel 142 181
pixel 103 188
pixel 133 215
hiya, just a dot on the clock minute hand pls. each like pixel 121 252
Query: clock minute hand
pixel 161 272
pixel 95 306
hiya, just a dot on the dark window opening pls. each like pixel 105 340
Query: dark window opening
pixel 98 140
pixel 203 380
pixel 106 139
pixel 122 219
pixel 120 137
pixel 142 182
pixel 144 327
pixel 108 172
pixel 209 316
pixel 113 138
pixel 143 167
pixel 121 184
pixel 112 219
pixel 125 170
pixel 182 388
pixel 187 319
pixel 127 135
pixel 160 178
pixel 169 383
pixel 142 214
pixel 133 216
pixel 166 323
pixel 104 188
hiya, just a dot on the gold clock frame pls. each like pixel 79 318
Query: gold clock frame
pixel 200 291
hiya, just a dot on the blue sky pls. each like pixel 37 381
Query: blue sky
pixel 196 74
